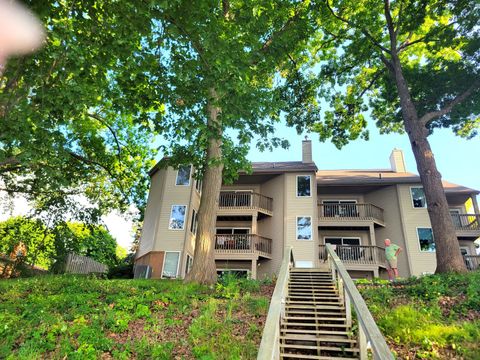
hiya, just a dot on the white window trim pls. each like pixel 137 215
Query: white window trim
pixel 199 191
pixel 193 222
pixel 343 237
pixel 178 263
pixel 189 177
pixel 170 217
pixel 296 186
pixel 311 228
pixel 411 197
pixel 186 262
pixel 418 240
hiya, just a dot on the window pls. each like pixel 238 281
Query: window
pixel 170 264
pixel 183 175
pixel 303 185
pixel 340 208
pixel 342 241
pixel 177 217
pixel 198 185
pixel 425 238
pixel 304 228
pixel 189 264
pixel 194 222
pixel 418 197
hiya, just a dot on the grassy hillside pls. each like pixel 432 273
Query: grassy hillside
pixel 433 317
pixel 85 318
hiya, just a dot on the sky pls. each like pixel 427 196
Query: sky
pixel 457 161
pixel 456 157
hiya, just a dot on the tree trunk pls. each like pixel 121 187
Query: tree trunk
pixel 447 247
pixel 204 270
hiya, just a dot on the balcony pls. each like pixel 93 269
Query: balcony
pixel 357 255
pixel 242 245
pixel 466 225
pixel 239 202
pixel 349 214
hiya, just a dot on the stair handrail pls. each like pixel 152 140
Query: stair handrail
pixel 270 344
pixel 368 329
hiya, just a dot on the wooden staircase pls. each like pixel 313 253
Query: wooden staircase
pixel 315 324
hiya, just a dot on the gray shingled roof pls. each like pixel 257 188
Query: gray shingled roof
pixel 282 166
pixel 379 177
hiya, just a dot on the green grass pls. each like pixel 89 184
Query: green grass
pixel 432 317
pixel 86 318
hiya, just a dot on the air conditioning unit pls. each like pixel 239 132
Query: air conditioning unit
pixel 142 272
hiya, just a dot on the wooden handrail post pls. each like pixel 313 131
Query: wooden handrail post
pixel 362 343
pixel 348 309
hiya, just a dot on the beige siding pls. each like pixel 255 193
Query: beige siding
pixel 387 199
pixel 189 247
pixel 304 250
pixel 152 213
pixel 166 239
pixel 273 227
pixel 421 262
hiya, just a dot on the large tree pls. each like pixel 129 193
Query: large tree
pixel 226 66
pixel 75 115
pixel 414 65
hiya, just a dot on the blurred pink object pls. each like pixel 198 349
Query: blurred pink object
pixel 20 31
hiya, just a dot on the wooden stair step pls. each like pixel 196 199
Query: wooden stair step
pixel 316 357
pixel 313 347
pixel 310 303
pixel 326 313
pixel 307 337
pixel 311 331
pixel 315 307
pixel 315 325
pixel 313 295
pixel 314 318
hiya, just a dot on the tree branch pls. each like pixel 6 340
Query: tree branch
pixel 98 118
pixel 425 119
pixel 399 21
pixel 372 82
pixel 198 48
pixel 96 163
pixel 363 31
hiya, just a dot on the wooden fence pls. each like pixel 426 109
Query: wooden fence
pixel 78 264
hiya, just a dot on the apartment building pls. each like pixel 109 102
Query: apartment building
pixel 295 204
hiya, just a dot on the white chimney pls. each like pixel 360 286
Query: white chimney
pixel 397 161
pixel 306 151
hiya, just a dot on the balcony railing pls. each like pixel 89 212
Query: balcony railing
pixel 242 243
pixel 357 254
pixel 466 222
pixel 350 212
pixel 472 262
pixel 245 200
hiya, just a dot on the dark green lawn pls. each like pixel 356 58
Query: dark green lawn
pixel 432 317
pixel 86 318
